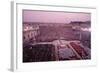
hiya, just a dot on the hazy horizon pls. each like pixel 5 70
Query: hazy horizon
pixel 54 17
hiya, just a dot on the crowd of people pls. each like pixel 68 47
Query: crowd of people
pixel 38 53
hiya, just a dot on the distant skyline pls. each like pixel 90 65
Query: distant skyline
pixel 54 17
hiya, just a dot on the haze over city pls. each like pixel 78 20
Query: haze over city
pixel 56 36
pixel 54 17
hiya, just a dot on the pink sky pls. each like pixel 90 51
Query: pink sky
pixel 54 17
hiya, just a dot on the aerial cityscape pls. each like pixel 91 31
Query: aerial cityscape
pixel 56 36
